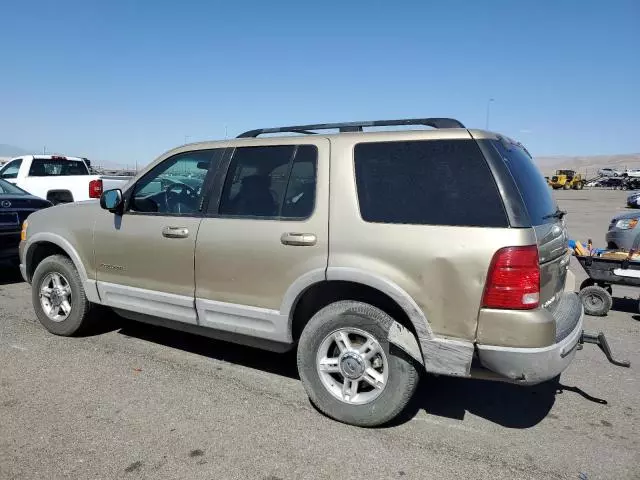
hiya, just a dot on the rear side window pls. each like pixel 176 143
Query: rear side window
pixel 432 182
pixel 533 188
pixel 57 168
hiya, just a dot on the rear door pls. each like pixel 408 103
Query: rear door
pixel 550 228
pixel 266 229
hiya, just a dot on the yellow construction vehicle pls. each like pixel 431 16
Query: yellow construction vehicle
pixel 567 179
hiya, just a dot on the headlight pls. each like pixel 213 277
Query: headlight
pixel 627 223
pixel 23 232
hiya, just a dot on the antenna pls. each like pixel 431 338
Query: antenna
pixel 226 135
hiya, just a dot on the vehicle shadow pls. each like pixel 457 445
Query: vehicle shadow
pixel 283 364
pixel 625 304
pixel 511 406
pixel 508 405
pixel 9 274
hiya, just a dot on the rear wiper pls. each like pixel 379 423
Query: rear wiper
pixel 557 214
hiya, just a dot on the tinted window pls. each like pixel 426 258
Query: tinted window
pixel 55 168
pixel 533 188
pixel 175 186
pixel 271 182
pixel 6 187
pixel 10 170
pixel 435 182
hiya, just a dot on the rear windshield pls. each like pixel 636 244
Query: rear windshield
pixel 7 188
pixel 430 182
pixel 57 167
pixel 535 192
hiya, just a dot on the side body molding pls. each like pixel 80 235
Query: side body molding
pixel 89 284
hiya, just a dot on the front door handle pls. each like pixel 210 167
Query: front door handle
pixel 175 232
pixel 298 239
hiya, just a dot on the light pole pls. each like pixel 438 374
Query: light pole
pixel 489 102
pixel 186 137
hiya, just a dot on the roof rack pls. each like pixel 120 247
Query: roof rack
pixel 356 126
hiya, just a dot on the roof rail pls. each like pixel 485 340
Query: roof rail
pixel 345 127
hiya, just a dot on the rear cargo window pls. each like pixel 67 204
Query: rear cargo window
pixel 533 188
pixel 57 168
pixel 432 182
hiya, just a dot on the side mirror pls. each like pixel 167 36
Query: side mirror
pixel 112 200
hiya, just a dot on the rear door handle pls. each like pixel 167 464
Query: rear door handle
pixel 175 232
pixel 298 239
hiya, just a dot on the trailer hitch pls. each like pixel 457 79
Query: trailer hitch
pixel 600 340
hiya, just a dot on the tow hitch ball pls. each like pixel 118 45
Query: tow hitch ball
pixel 600 340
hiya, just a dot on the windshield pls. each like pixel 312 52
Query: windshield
pixel 55 167
pixel 531 184
pixel 7 188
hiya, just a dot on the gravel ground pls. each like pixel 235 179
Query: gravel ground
pixel 134 401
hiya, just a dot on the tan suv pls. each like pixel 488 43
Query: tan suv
pixel 378 255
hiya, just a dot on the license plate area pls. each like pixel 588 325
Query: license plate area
pixel 9 220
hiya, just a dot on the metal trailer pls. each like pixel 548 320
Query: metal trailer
pixel 603 273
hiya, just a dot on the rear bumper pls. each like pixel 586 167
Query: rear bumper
pixel 535 365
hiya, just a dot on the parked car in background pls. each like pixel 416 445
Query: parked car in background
pixel 58 179
pixel 610 172
pixel 285 243
pixel 624 232
pixel 15 206
pixel 631 172
pixel 633 200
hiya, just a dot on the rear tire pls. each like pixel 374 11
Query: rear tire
pixel 596 301
pixel 566 186
pixel 326 359
pixel 58 296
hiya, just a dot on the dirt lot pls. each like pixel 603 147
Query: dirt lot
pixel 133 401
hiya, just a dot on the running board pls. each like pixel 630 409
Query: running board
pixel 600 340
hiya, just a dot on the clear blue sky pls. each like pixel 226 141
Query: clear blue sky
pixel 125 80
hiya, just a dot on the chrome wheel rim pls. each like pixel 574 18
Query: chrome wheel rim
pixel 352 366
pixel 55 297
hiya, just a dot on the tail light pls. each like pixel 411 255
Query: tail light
pixel 513 281
pixel 95 188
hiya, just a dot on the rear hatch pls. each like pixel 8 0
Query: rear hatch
pixel 546 219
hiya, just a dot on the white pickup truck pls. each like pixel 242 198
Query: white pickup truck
pixel 58 179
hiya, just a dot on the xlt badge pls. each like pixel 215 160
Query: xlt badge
pixel 112 267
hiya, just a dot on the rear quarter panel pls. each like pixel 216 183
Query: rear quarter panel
pixel 442 268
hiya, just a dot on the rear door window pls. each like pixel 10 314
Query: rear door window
pixel 430 182
pixel 533 188
pixel 274 182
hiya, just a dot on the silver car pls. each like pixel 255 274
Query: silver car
pixel 624 231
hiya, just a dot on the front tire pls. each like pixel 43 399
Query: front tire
pixel 350 370
pixel 58 296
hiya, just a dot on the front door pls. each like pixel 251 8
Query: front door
pixel 266 229
pixel 144 258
